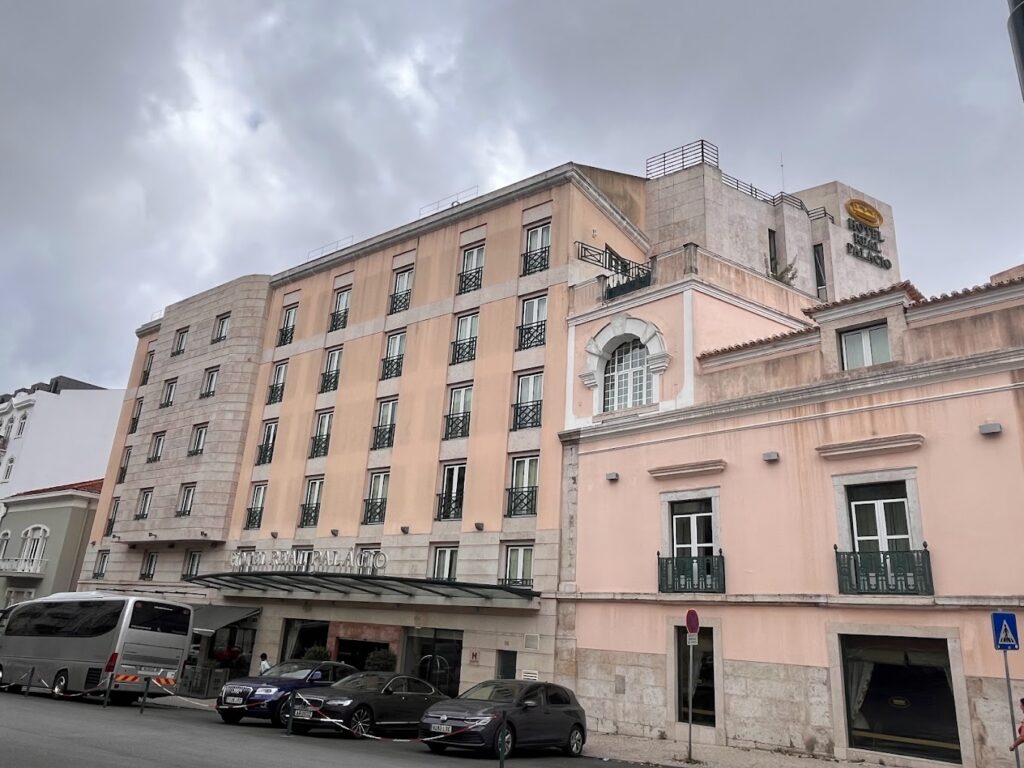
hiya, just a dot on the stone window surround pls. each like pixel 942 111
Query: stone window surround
pixel 667 498
pixel 599 350
pixel 843 750
pixel 908 475
pixel 702 734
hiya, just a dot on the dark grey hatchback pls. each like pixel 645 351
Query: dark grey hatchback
pixel 537 715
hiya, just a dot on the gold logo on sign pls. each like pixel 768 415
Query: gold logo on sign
pixel 864 212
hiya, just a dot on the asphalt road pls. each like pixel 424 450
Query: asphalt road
pixel 38 732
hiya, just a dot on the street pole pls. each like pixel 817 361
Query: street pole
pixel 689 712
pixel 1009 698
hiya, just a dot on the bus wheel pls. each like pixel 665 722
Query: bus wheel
pixel 59 688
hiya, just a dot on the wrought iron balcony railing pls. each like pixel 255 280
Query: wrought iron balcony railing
pixel 907 572
pixel 146 577
pixel 399 302
pixel 217 339
pixel 532 335
pixel 509 582
pixel 176 352
pixel 318 446
pixel 285 335
pixel 264 453
pixel 338 320
pixel 22 565
pixel 195 452
pixel 141 516
pixel 152 459
pixel 456 425
pixel 373 511
pixel 703 573
pixel 522 502
pixel 275 393
pixel 526 415
pixel 463 351
pixel 391 367
pixel 165 404
pixel 471 280
pixel 145 378
pixel 121 472
pixel 328 381
pixel 207 393
pixel 133 425
pixel 109 528
pixel 535 261
pixel 449 506
pixel 383 436
pixel 183 512
pixel 253 518
pixel 309 515
pixel 99 574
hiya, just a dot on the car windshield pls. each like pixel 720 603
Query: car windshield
pixel 364 681
pixel 491 691
pixel 296 669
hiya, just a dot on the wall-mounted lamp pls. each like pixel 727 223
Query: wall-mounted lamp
pixel 405 529
pixel 770 456
pixel 204 534
pixel 988 430
pixel 478 526
pixel 273 534
pixel 115 537
pixel 334 531
pixel 151 535
pixel 92 543
pixel 612 477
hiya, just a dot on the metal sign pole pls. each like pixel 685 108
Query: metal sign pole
pixel 1009 698
pixel 689 711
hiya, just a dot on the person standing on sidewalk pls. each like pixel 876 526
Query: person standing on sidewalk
pixel 264 664
pixel 1020 731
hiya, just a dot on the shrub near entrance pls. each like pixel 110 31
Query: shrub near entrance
pixel 316 653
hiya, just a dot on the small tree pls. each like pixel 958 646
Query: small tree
pixel 381 660
pixel 316 653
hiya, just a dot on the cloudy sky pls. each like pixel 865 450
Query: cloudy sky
pixel 150 150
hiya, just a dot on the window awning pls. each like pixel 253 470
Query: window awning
pixel 365 586
pixel 207 619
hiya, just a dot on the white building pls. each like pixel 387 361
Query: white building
pixel 55 432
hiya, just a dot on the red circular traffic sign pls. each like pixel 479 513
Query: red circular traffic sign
pixel 692 622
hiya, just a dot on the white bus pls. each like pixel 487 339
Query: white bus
pixel 72 642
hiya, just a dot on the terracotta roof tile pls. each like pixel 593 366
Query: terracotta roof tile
pixel 759 342
pixel 903 287
pixel 964 292
pixel 86 486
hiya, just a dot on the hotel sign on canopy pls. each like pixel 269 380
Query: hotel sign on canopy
pixel 864 221
pixel 309 561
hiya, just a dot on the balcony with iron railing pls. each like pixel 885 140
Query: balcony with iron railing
pixel 146 576
pixel 218 339
pixel 373 511
pixel 510 582
pixel 463 351
pixel 383 436
pixel 177 351
pixel 253 518
pixel 449 506
pixel 285 336
pixel 526 415
pixel 522 502
pixel 99 574
pixel 338 320
pixel 23 566
pixel 153 459
pixel 184 512
pixel 275 393
pixel 391 367
pixel 399 302
pixel 328 381
pixel 318 446
pixel 207 393
pixel 194 452
pixel 471 280
pixel 165 404
pixel 907 572
pixel 264 453
pixel 626 276
pixel 702 573
pixel 309 515
pixel 456 425
pixel 535 261
pixel 531 335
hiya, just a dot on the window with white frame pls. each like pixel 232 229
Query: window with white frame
pixel 33 542
pixel 396 345
pixel 210 382
pixel 445 562
pixel 288 316
pixel 535 310
pixel 259 494
pixel 865 346
pixel 280 373
pixel 366 557
pixel 692 528
pixel 524 471
pixel 879 517
pixel 197 443
pixel 9 468
pixel 332 362
pixel 220 327
pixel 460 400
pixel 148 570
pixel 403 281
pixel 341 299
pixel 99 570
pixel 145 501
pixel 147 366
pixel 185 498
pixel 472 258
pixel 519 565
pixel 530 388
pixel 180 339
pixel 9 428
pixel 5 539
pixel 156 447
pixel 387 413
pixel 627 377
pixel 538 238
pixel 21 425
pixel 170 387
pixel 466 327
pixel 191 565
pixel 379 482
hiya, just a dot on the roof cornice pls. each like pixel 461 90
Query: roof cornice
pixel 982 297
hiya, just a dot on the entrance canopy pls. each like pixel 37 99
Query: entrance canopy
pixel 369 587
pixel 207 619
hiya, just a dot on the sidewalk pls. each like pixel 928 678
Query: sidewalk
pixel 644 751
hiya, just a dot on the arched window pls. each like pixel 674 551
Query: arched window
pixel 8 469
pixel 627 377
pixel 9 427
pixel 33 542
pixel 5 537
pixel 21 424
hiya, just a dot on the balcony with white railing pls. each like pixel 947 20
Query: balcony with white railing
pixel 23 566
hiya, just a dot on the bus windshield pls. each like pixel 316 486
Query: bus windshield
pixel 160 617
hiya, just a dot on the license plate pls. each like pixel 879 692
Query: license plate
pixel 303 714
pixel 233 699
pixel 440 728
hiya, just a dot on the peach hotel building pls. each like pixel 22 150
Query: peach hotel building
pixel 521 436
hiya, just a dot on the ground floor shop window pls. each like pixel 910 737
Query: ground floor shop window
pixel 305 639
pixel 435 655
pixel 899 696
pixel 703 676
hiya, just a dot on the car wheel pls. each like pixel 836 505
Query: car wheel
pixel 360 722
pixel 504 741
pixel 437 749
pixel 280 715
pixel 230 717
pixel 59 688
pixel 574 747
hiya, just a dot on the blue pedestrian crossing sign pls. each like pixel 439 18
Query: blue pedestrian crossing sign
pixel 1004 632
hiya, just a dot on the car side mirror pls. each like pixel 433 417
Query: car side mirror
pixel 529 704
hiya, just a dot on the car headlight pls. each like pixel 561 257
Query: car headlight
pixel 338 702
pixel 268 691
pixel 475 722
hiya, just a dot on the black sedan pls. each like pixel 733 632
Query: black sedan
pixel 265 695
pixel 362 703
pixel 535 714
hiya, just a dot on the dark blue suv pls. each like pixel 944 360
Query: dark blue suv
pixel 265 695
